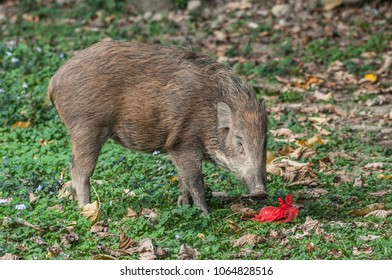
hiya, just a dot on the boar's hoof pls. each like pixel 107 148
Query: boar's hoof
pixel 259 195
pixel 183 200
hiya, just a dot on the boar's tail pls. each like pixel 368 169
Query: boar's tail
pixel 50 91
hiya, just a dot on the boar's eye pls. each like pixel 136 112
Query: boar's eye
pixel 240 144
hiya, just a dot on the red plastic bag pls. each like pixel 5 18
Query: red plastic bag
pixel 284 213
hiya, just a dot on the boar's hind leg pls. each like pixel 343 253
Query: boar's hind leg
pixel 87 143
pixel 190 179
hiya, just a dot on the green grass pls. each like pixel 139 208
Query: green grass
pixel 35 159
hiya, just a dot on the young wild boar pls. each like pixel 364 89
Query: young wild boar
pixel 150 97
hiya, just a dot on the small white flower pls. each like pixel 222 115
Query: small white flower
pixel 2 201
pixel 177 236
pixel 38 188
pixel 156 153
pixel 14 60
pixel 160 168
pixel 8 53
pixel 11 43
pixel 110 203
pixel 25 85
pixel 20 207
pixel 1 90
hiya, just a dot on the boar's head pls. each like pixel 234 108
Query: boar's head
pixel 242 130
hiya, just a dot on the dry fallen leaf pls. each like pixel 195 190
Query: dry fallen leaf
pixel 245 211
pixel 318 120
pixel 359 251
pixel 129 193
pixel 131 213
pixel 201 236
pixel 324 163
pixel 187 253
pixel 384 177
pixel 309 247
pixel 146 250
pixel 374 166
pixel 145 245
pixel 387 63
pixel 331 4
pixel 233 226
pixel 150 214
pixel 303 153
pixel 341 178
pixel 91 211
pixel 126 241
pixel 334 155
pixel 54 251
pixel 273 169
pixel 103 257
pixel 366 210
pixel 314 192
pixel 99 227
pixel 367 225
pixel 371 77
pixel 283 132
pixel 69 238
pixel 145 256
pixel 270 156
pixel 9 257
pixel 379 193
pixel 359 182
pixel 336 253
pixel 343 77
pixel 379 213
pixel 248 239
pixel 39 240
pixel 161 252
pixel 368 237
pixel 32 197
pixel 239 5
pixel 313 141
pixel 277 234
pixel 321 96
pixel 65 190
pixel 245 252
pixel 43 142
pixel 20 124
pixel 310 224
pixel 296 173
pixel 321 131
pixel 293 163
pixel 301 176
pixel 220 36
pixel 310 82
pixel 57 207
pixel 285 151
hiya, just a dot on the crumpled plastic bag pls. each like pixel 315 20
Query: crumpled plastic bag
pixel 284 213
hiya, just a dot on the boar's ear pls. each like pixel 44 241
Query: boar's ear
pixel 224 115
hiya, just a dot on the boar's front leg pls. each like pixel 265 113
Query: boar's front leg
pixel 190 178
pixel 87 143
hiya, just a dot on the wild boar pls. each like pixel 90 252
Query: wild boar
pixel 151 97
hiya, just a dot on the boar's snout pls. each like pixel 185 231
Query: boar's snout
pixel 256 184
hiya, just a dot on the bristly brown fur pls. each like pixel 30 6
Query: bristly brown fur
pixel 150 97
